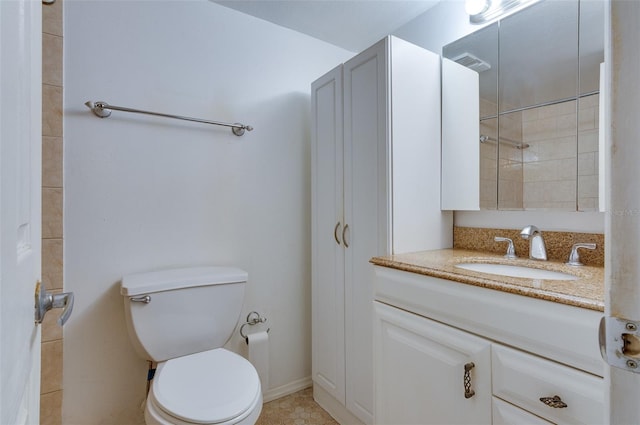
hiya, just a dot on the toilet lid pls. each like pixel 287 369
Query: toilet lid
pixel 209 387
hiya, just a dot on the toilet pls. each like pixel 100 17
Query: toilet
pixel 181 319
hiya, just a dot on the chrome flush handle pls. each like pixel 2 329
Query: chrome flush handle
pixel 141 299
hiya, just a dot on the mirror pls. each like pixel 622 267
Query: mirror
pixel 539 79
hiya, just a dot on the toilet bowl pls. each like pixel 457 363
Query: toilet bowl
pixel 181 319
pixel 212 387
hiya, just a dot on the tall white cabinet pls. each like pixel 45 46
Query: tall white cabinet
pixel 375 191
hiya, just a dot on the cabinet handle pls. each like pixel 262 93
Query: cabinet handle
pixel 468 392
pixel 555 402
pixel 344 239
pixel 335 233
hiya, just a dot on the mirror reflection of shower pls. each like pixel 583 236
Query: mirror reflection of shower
pixel 539 98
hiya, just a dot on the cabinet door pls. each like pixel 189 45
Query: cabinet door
pixel 460 138
pixel 365 213
pixel 420 371
pixel 418 222
pixel 328 362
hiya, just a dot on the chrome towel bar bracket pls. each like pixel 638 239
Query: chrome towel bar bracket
pixel 103 110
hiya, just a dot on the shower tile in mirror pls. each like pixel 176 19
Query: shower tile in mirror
pixel 549 161
pixel 588 126
pixel 510 162
pixel 489 164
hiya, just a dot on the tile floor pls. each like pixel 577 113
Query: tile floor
pixel 295 409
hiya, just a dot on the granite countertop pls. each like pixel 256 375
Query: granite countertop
pixel 586 292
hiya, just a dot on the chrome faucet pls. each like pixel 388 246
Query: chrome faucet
pixel 537 249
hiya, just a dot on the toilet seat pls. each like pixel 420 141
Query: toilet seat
pixel 211 387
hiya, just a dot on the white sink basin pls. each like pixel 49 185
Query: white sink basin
pixel 516 271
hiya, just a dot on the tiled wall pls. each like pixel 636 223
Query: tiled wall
pixel 510 171
pixel 560 164
pixel 489 165
pixel 501 179
pixel 550 165
pixel 51 377
pixel 588 126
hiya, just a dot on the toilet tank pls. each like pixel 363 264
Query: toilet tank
pixel 188 310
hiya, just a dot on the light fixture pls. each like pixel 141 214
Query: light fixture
pixel 482 11
pixel 475 7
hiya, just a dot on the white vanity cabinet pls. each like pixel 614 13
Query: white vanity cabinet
pixel 427 371
pixel 523 349
pixel 375 173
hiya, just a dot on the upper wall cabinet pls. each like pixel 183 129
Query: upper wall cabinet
pixel 460 188
pixel 538 99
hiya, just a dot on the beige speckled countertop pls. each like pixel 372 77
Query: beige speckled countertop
pixel 586 292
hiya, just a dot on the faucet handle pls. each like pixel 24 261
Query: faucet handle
pixel 511 251
pixel 574 257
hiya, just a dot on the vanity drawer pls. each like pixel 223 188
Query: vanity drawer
pixel 507 414
pixel 522 379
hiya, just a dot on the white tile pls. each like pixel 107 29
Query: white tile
pixel 587 118
pixel 588 186
pixel 539 130
pixel 590 101
pixel 567 125
pixel 587 164
pixel 588 141
pixel 530 114
pixel 562 191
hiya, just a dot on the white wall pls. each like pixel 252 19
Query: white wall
pixel 146 193
pixel 437 27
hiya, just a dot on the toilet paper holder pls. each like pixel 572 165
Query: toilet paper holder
pixel 253 318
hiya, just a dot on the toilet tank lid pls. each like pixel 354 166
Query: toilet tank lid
pixel 165 280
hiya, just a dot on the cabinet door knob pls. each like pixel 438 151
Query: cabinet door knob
pixel 344 239
pixel 468 392
pixel 555 402
pixel 335 233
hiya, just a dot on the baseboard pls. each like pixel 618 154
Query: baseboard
pixel 284 390
pixel 334 407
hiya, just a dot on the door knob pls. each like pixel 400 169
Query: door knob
pixel 45 301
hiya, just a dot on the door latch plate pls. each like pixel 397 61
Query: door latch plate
pixel 620 343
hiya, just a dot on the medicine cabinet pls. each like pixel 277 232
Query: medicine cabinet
pixel 538 119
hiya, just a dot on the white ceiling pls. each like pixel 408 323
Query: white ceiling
pixel 351 24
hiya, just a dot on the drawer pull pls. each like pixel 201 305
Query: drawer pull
pixel 555 402
pixel 468 392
